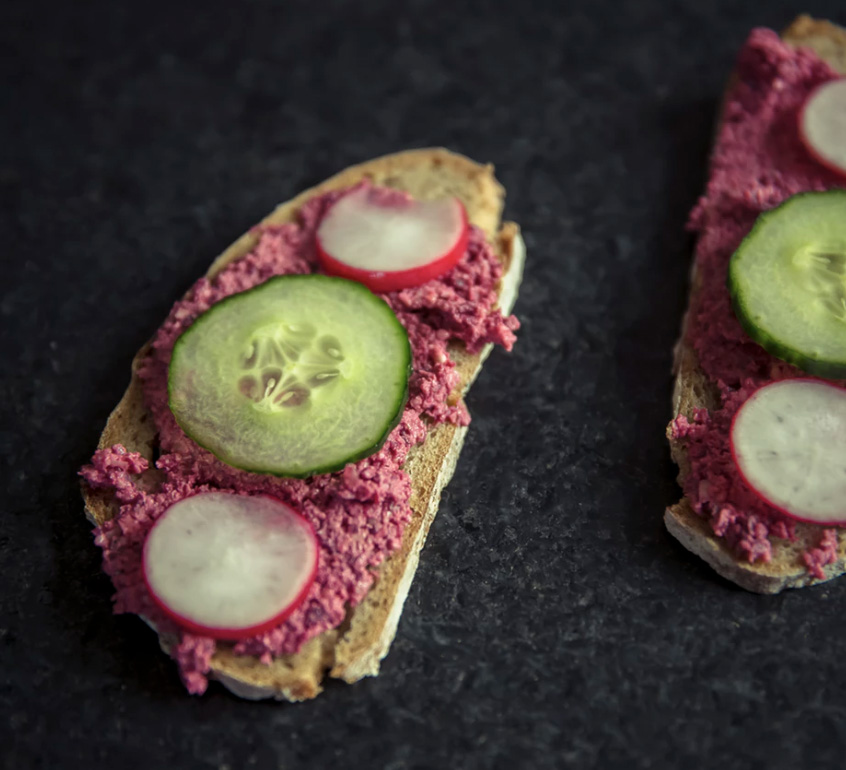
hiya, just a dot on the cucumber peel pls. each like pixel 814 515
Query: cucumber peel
pixel 295 377
pixel 787 282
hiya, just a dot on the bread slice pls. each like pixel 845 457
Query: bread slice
pixel 355 649
pixel 693 389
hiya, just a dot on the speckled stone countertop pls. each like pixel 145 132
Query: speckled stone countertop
pixel 553 622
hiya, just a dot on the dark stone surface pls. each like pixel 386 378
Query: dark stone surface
pixel 553 622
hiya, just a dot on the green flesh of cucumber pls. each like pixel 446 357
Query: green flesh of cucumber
pixel 787 282
pixel 298 376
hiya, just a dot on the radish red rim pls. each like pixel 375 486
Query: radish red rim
pixel 792 432
pixel 391 244
pixel 822 125
pixel 229 566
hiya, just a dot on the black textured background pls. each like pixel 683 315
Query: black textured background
pixel 553 622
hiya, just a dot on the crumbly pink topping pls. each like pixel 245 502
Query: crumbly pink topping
pixel 825 553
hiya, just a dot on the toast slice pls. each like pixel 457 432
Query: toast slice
pixel 693 390
pixel 354 649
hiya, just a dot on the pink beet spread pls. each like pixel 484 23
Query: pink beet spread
pixel 359 514
pixel 758 162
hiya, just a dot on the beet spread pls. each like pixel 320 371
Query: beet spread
pixel 758 162
pixel 358 514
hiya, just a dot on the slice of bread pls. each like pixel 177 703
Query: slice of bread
pixel 354 649
pixel 693 389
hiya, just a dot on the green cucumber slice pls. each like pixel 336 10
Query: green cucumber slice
pixel 298 376
pixel 787 281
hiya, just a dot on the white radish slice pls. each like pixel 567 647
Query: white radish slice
pixel 822 125
pixel 391 244
pixel 229 566
pixel 789 442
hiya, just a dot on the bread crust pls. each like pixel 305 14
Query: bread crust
pixel 692 389
pixel 354 649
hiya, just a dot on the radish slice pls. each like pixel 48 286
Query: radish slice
pixel 394 244
pixel 822 125
pixel 229 566
pixel 789 443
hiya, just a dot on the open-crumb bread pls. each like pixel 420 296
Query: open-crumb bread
pixel 356 648
pixel 693 389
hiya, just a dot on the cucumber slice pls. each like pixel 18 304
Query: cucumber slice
pixel 787 281
pixel 298 376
